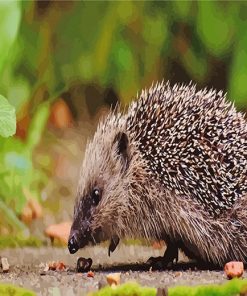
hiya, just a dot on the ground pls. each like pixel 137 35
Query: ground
pixel 27 265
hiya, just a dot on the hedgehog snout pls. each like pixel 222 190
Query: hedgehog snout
pixel 80 236
pixel 73 244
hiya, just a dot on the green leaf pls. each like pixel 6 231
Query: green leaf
pixel 7 289
pixel 9 23
pixel 195 63
pixel 182 9
pixel 155 30
pixel 18 92
pixel 7 118
pixel 38 125
pixel 238 74
pixel 10 217
pixel 214 27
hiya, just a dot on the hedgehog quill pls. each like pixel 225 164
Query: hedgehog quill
pixel 173 168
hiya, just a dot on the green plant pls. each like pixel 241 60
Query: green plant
pixel 10 290
pixel 230 288
pixel 16 167
pixel 119 45
pixel 127 289
pixel 53 46
pixel 7 118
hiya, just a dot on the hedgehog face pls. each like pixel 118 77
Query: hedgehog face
pixel 100 197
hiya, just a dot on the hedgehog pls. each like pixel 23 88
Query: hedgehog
pixel 171 167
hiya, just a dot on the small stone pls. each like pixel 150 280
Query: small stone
pixel 46 267
pixel 234 269
pixel 41 265
pixel 5 264
pixel 177 273
pixel 113 278
pixel 90 274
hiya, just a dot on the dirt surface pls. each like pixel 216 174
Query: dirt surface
pixel 27 265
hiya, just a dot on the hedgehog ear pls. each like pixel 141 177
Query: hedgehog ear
pixel 122 141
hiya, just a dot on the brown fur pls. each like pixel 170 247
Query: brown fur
pixel 134 203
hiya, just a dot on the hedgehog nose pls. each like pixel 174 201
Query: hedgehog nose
pixel 73 245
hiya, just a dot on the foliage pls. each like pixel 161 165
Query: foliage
pixel 10 19
pixel 10 241
pixel 49 47
pixel 230 288
pixel 7 118
pixel 127 289
pixel 123 45
pixel 10 290
pixel 17 171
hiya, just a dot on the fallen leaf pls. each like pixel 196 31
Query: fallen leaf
pixel 58 266
pixel 36 208
pixel 22 127
pixel 61 116
pixel 32 209
pixel 34 205
pixel 26 214
pixel 59 231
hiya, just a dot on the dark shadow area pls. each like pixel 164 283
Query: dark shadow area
pixel 181 266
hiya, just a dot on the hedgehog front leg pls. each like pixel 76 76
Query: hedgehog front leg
pixel 170 255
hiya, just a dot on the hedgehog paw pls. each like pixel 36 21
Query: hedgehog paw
pixel 170 256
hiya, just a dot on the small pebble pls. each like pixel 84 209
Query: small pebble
pixel 46 267
pixel 177 273
pixel 90 274
pixel 5 264
pixel 113 278
pixel 234 269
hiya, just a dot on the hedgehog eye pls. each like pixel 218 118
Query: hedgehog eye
pixel 96 196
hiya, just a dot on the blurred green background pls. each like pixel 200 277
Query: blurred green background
pixel 63 64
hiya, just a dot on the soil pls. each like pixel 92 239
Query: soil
pixel 27 265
